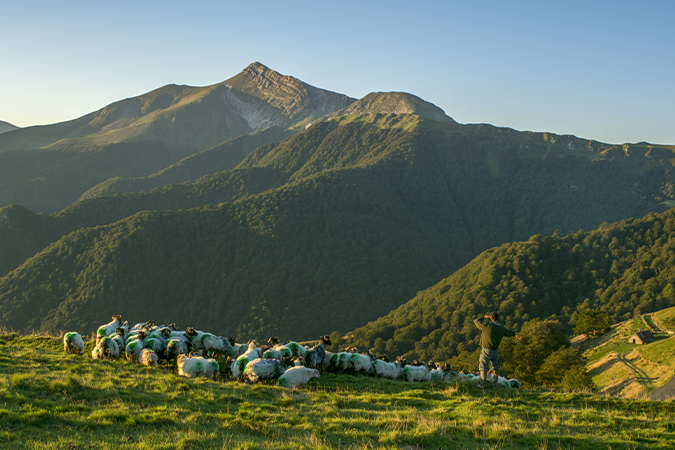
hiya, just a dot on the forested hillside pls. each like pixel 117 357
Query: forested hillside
pixel 329 229
pixel 625 269
pixel 225 156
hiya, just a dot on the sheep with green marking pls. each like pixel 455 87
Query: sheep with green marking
pixel 73 343
pixel 197 366
pixel 109 328
pixel 134 347
pixel 106 348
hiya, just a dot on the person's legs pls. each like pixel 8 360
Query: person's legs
pixel 483 366
pixel 495 367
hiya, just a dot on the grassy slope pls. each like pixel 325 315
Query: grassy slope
pixel 628 370
pixel 51 400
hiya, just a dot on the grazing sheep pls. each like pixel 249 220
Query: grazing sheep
pixel 134 347
pixel 156 344
pixel 195 337
pixel 174 347
pixel 73 343
pixel 196 366
pixel 361 362
pixel 295 376
pixel 453 376
pixel 108 329
pixel 514 383
pixel 388 370
pixel 264 369
pixel 106 348
pixel 148 358
pixel 416 373
pixel 119 337
pixel 296 349
pixel 271 354
pixel 314 357
pixel 216 344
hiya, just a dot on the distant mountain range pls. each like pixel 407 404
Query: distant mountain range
pixel 48 167
pixel 324 214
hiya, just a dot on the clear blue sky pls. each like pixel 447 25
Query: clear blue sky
pixel 602 70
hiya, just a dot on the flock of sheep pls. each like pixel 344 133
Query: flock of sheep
pixel 289 364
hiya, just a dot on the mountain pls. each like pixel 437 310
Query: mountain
pixel 328 229
pixel 624 269
pixel 6 126
pixel 49 167
pixel 393 103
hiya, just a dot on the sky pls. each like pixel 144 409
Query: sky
pixel 602 70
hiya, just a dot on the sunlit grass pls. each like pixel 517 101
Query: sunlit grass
pixel 52 400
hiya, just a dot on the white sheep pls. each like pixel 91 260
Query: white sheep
pixel 73 343
pixel 134 347
pixel 360 362
pixel 109 328
pixel 296 349
pixel 106 348
pixel 295 376
pixel 174 347
pixel 197 366
pixel 388 369
pixel 264 369
pixel 416 373
pixel 215 344
pixel 148 358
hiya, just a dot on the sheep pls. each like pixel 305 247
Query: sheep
pixel 314 357
pixel 388 370
pixel 416 373
pixel 295 376
pixel 174 347
pixel 119 337
pixel 264 369
pixel 326 361
pixel 73 343
pixel 514 383
pixel 240 363
pixel 134 347
pixel 216 344
pixel 148 358
pixel 496 380
pixel 108 329
pixel 195 337
pixel 453 376
pixel 196 366
pixel 106 348
pixel 361 362
pixel 271 354
pixel 296 349
pixel 156 343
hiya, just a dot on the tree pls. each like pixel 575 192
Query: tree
pixel 565 368
pixel 592 323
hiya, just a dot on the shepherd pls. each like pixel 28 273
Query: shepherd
pixel 492 334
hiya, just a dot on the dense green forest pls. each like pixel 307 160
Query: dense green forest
pixel 624 269
pixel 327 230
pixel 224 156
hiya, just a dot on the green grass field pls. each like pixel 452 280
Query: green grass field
pixel 56 401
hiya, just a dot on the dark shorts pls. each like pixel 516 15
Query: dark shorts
pixel 488 356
